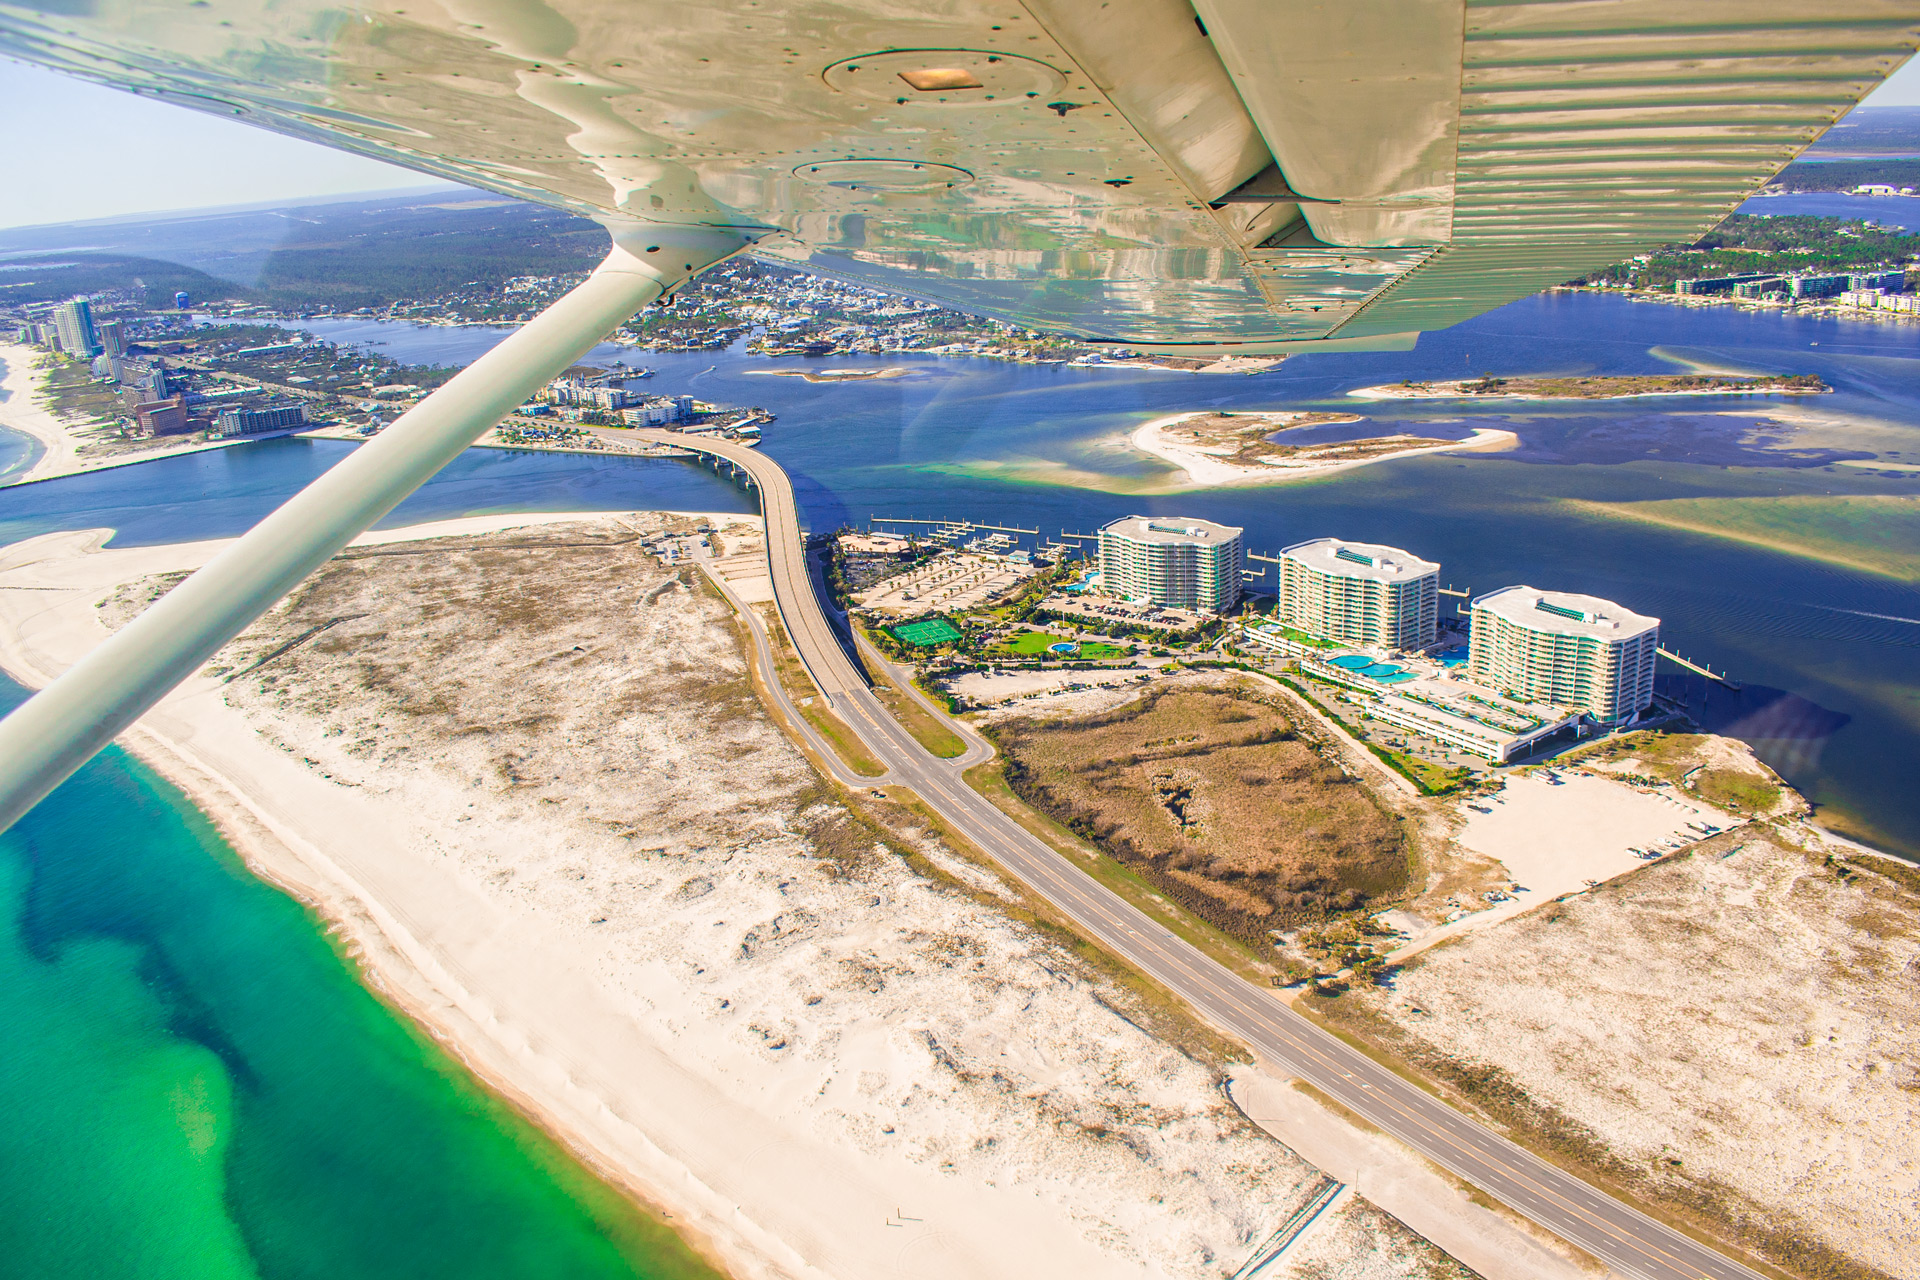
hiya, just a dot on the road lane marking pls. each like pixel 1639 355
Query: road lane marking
pixel 1499 1166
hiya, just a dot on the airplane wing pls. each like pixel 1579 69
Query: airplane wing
pixel 1272 174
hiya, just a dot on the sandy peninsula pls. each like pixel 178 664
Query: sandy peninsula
pixel 834 375
pixel 525 767
pixel 1214 450
pixel 521 763
pixel 1621 387
pixel 1187 364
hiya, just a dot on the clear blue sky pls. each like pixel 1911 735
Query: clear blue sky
pixel 75 150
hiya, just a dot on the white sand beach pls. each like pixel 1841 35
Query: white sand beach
pixel 816 1068
pixel 23 411
pixel 1556 838
pixel 1187 364
pixel 1205 468
pixel 834 375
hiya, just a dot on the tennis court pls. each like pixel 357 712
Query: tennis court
pixel 927 632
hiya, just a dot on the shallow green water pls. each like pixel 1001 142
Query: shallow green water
pixel 195 1084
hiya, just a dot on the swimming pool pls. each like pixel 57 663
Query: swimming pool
pixel 1383 672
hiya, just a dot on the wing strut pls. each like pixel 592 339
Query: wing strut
pixel 61 727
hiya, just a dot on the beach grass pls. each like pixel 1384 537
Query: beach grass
pixel 925 727
pixel 1248 960
pixel 74 395
pixel 1877 534
pixel 1215 800
pixel 806 698
pixel 1149 1003
pixel 1680 759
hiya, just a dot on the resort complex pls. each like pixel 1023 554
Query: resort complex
pixel 1173 562
pixel 1430 696
pixel 1359 593
pixel 1360 622
pixel 1364 619
pixel 1571 650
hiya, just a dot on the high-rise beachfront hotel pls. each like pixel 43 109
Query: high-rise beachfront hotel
pixel 1579 652
pixel 1174 561
pixel 1359 593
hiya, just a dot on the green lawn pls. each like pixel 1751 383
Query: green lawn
pixel 1301 637
pixel 926 633
pixel 1029 643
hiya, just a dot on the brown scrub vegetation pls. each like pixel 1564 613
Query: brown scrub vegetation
pixel 1218 800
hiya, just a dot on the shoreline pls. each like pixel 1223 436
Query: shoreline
pixel 1452 391
pixel 385 965
pixel 278 817
pixel 1203 470
pixel 23 411
pixel 1220 364
pixel 1696 300
pixel 322 431
pixel 827 377
pixel 601 1038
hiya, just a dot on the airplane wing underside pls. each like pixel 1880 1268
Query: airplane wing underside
pixel 1262 173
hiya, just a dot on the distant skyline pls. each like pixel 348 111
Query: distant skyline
pixel 77 151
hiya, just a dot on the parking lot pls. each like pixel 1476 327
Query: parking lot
pixel 955 582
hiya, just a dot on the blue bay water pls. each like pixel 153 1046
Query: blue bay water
pixel 220 493
pixel 1888 211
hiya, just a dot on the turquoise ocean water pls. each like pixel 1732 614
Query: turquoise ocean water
pixel 195 1084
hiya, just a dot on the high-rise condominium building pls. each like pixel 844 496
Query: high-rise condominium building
pixel 1579 652
pixel 1175 561
pixel 74 321
pixel 1359 593
pixel 273 417
pixel 113 338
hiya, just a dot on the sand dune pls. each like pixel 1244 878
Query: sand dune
pixel 568 841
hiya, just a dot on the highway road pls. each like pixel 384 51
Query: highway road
pixel 1628 1241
